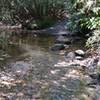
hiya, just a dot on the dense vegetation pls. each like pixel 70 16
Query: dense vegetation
pixel 28 12
pixel 84 15
pixel 85 18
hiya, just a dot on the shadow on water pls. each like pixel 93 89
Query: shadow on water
pixel 30 73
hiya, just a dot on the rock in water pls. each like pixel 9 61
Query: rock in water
pixel 79 57
pixel 70 56
pixel 80 53
pixel 63 40
pixel 57 47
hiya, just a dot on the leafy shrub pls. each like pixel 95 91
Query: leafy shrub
pixel 86 16
pixel 25 11
pixel 85 19
pixel 45 22
pixel 94 40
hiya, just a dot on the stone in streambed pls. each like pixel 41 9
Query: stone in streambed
pixel 70 56
pixel 63 40
pixel 79 58
pixel 57 47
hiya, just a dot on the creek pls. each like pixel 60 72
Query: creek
pixel 30 72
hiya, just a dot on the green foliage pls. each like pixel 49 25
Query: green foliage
pixel 4 42
pixel 25 11
pixel 45 22
pixel 84 19
pixel 94 40
pixel 91 23
pixel 86 15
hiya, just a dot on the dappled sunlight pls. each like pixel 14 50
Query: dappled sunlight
pixel 73 74
pixel 70 63
pixel 8 79
pixel 54 71
pixel 36 84
pixel 61 63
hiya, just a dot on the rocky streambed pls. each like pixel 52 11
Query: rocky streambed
pixel 85 64
pixel 49 68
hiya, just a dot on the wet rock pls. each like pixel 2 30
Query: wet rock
pixel 20 68
pixel 70 56
pixel 63 40
pixel 80 53
pixel 90 64
pixel 95 79
pixel 79 58
pixel 95 76
pixel 57 47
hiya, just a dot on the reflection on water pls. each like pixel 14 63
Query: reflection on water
pixel 30 73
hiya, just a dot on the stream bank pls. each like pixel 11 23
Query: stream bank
pixel 58 28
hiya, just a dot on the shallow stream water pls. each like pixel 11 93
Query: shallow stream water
pixel 30 72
